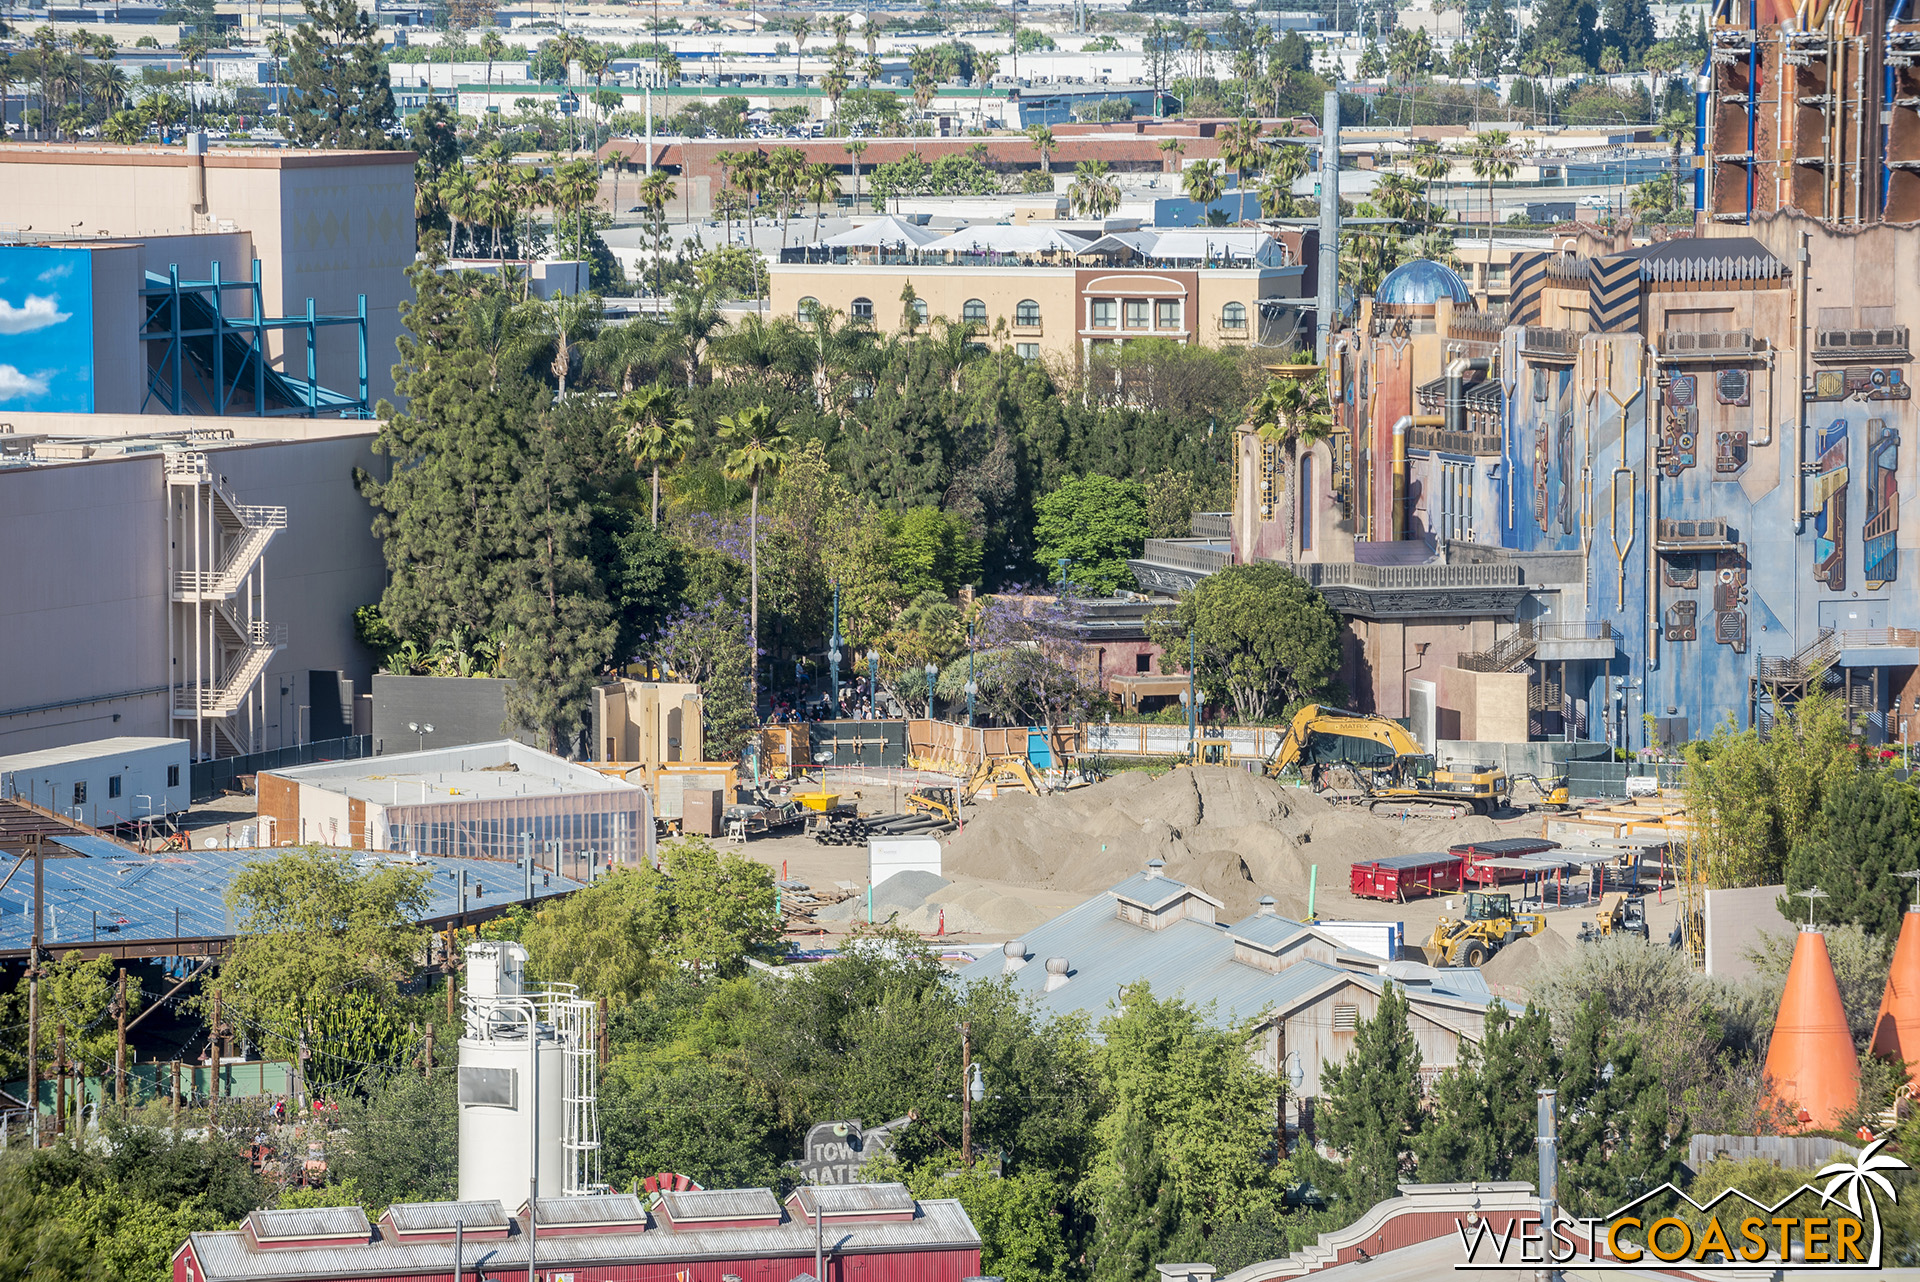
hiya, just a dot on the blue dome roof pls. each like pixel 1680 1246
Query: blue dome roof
pixel 1421 282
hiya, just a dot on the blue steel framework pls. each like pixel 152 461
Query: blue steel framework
pixel 166 302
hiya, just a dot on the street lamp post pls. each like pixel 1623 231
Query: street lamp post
pixel 971 687
pixel 422 730
pixel 1192 702
pixel 873 684
pixel 833 653
pixel 932 671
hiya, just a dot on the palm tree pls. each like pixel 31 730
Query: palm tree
pixel 692 322
pixel 1094 192
pixel 656 433
pixel 1239 149
pixel 1171 149
pixel 757 445
pixel 801 27
pixel 985 68
pixel 920 65
pixel 1292 413
pixel 856 148
pixel 504 330
pixel 1493 157
pixel 1680 128
pixel 834 85
pixel 1203 183
pixel 1042 139
pixel 1430 166
pixel 570 320
pixel 656 192
pixel 819 184
pixel 492 48
pixel 1611 63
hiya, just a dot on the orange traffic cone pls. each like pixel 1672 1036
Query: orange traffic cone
pixel 1811 1059
pixel 1896 1033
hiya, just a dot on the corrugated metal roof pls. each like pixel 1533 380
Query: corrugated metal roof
pixel 136 895
pixel 1151 891
pixel 851 1199
pixel 1188 959
pixel 439 1217
pixel 318 1221
pixel 1505 846
pixel 597 1208
pixel 721 1204
pixel 1402 863
pixel 1267 932
pixel 938 1224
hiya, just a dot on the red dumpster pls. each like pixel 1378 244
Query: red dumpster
pixel 1400 877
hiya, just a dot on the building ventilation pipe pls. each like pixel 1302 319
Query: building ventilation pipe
pixel 196 173
pixel 1457 390
pixel 1153 868
pixel 1266 906
pixel 1016 955
pixel 1056 974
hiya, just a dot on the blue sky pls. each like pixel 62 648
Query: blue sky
pixel 46 329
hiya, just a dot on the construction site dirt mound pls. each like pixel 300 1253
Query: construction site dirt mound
pixel 1522 962
pixel 1236 835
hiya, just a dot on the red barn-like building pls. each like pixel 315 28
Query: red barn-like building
pixel 867 1233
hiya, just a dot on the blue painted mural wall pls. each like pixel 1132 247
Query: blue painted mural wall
pixel 46 329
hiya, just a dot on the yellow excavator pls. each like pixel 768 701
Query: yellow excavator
pixel 1390 765
pixel 1000 773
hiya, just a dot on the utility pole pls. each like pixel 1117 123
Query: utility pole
pixel 966 1096
pixel 33 994
pixel 120 1048
pixel 213 1062
pixel 176 1095
pixel 426 1058
pixel 59 1080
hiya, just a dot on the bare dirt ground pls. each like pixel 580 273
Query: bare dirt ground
pixel 1021 860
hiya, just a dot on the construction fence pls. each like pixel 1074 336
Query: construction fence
pixel 1605 778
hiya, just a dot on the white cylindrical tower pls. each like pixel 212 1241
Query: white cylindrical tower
pixel 513 1079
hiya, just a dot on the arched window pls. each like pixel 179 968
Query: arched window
pixel 1027 313
pixel 1233 316
pixel 863 309
pixel 808 306
pixel 974 310
pixel 920 309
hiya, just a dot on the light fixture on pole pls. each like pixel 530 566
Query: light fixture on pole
pixel 833 653
pixel 931 673
pixel 972 689
pixel 422 730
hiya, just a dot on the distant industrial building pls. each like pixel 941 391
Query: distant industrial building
pixel 189 578
pixel 498 800
pixel 160 270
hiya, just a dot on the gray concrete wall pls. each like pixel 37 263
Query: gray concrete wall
pixel 1515 758
pixel 83 600
pixel 461 710
pixel 1735 921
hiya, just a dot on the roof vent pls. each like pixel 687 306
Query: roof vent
pixel 1266 906
pixel 1056 974
pixel 1154 866
pixel 1016 955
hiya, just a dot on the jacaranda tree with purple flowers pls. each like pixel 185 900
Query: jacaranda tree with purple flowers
pixel 706 643
pixel 1043 669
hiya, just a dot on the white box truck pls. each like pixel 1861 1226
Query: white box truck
pixel 105 782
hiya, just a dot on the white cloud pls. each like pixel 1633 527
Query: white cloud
pixel 13 383
pixel 58 271
pixel 39 312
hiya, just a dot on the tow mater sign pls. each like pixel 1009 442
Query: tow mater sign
pixel 837 1151
pixel 1835 1228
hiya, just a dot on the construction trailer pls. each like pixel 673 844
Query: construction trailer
pixel 104 783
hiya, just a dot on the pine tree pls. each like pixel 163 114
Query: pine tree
pixel 562 629
pixel 341 96
pixel 1483 1125
pixel 1869 830
pixel 1139 1219
pixel 1372 1112
pixel 445 514
pixel 1618 1138
pixel 1496 27
pixel 1574 23
pixel 1629 28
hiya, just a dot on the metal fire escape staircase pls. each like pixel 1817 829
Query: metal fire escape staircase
pixel 222 643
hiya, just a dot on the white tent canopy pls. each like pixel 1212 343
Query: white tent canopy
pixel 1005 239
pixel 888 231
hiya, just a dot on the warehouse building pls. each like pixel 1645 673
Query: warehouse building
pixel 183 578
pixel 501 800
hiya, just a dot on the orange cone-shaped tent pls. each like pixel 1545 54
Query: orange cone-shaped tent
pixel 1896 1033
pixel 1811 1058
